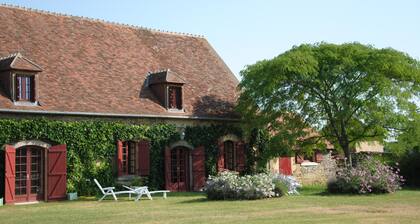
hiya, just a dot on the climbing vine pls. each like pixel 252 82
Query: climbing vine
pixel 91 146
pixel 208 136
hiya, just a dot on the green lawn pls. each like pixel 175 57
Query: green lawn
pixel 310 207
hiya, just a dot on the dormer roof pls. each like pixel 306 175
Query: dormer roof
pixel 17 61
pixel 165 76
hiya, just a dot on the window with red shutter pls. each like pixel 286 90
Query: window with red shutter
pixel 133 158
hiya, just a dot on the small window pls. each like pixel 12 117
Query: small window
pixel 25 88
pixel 175 97
pixel 128 158
pixel 229 155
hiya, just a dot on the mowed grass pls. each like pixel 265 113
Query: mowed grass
pixel 313 206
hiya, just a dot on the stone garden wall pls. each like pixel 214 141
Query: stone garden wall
pixel 315 173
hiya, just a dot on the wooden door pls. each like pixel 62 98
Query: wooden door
pixel 57 172
pixel 285 165
pixel 198 168
pixel 179 169
pixel 10 174
pixel 29 181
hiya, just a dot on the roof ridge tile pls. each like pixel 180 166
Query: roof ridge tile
pixel 100 20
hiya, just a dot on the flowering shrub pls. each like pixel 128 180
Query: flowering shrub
pixel 368 176
pixel 228 185
pixel 289 184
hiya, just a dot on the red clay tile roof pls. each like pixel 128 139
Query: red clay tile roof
pixel 100 67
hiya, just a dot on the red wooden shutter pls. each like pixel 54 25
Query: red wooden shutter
pixel 198 170
pixel 240 156
pixel 119 158
pixel 57 172
pixel 167 168
pixel 10 160
pixel 285 165
pixel 144 158
pixel 221 158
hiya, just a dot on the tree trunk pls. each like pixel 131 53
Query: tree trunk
pixel 347 154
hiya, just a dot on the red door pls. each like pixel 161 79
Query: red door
pixel 178 175
pixel 285 165
pixel 29 174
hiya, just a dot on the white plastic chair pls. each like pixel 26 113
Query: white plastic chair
pixel 109 191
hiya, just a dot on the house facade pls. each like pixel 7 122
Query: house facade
pixel 67 68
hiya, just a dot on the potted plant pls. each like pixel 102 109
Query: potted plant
pixel 71 192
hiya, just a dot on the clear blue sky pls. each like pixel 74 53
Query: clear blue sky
pixel 244 31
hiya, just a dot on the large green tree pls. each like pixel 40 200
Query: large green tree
pixel 345 93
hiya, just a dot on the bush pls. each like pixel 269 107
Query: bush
pixel 139 181
pixel 367 176
pixel 288 184
pixel 228 185
pixel 410 167
pixel 280 188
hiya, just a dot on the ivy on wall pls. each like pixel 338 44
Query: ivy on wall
pixel 208 137
pixel 91 146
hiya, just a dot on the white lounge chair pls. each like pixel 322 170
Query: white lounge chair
pixel 140 191
pixel 109 191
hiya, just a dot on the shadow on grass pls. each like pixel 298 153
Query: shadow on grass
pixel 195 200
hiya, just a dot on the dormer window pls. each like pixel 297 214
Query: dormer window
pixel 18 78
pixel 25 88
pixel 175 97
pixel 167 86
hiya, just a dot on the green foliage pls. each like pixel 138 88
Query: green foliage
pixel 91 146
pixel 259 153
pixel 140 181
pixel 406 150
pixel 208 137
pixel 348 93
pixel 280 188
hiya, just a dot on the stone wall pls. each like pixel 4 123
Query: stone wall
pixel 315 173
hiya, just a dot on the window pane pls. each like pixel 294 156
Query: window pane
pixel 175 97
pixel 229 155
pixel 24 88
